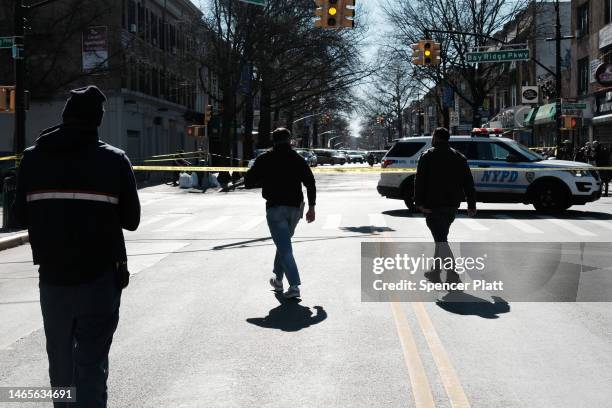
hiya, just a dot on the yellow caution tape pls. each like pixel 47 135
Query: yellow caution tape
pixel 8 158
pixel 332 170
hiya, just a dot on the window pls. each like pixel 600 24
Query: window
pixel 500 151
pixel 583 76
pixel 131 14
pixel 607 11
pixel 405 149
pixel 465 148
pixel 141 20
pixel 582 22
pixel 483 151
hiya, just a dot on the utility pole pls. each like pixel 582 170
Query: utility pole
pixel 558 71
pixel 19 67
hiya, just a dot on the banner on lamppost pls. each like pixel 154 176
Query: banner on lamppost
pixel 95 48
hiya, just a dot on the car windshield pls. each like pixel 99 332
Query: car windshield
pixel 531 156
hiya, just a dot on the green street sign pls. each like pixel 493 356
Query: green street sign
pixel 497 56
pixel 6 42
pixel 574 106
pixel 256 2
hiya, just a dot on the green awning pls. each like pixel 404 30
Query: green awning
pixel 530 117
pixel 546 114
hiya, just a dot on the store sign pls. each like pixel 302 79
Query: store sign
pixel 604 103
pixel 605 36
pixel 530 94
pixel 95 48
pixel 603 74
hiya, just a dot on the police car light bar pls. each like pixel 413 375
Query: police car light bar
pixel 485 132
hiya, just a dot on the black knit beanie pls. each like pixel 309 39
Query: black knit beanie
pixel 85 105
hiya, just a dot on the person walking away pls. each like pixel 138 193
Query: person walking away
pixel 281 172
pixel 75 194
pixel 443 180
pixel 601 156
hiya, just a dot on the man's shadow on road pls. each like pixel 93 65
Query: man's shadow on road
pixel 465 304
pixel 289 316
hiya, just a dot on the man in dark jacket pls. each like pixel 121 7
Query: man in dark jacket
pixel 281 173
pixel 443 180
pixel 75 194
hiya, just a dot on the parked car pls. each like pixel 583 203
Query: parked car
pixel 309 156
pixel 375 156
pixel 6 167
pixel 256 154
pixel 327 156
pixel 356 156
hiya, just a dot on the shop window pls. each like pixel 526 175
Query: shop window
pixel 582 20
pixel 583 76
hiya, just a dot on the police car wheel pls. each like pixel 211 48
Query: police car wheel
pixel 550 197
pixel 409 200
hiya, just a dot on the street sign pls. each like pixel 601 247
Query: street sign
pixel 6 42
pixel 574 106
pixel 497 56
pixel 256 2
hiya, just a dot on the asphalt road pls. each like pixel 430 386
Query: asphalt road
pixel 200 327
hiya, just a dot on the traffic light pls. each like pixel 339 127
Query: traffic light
pixel 195 131
pixel 435 54
pixel 417 53
pixel 7 99
pixel 431 52
pixel 348 13
pixel 208 114
pixel 569 122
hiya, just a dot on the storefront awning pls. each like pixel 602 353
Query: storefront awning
pixel 546 114
pixel 602 119
pixel 530 117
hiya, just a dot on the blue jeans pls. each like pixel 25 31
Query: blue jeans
pixel 79 323
pixel 282 221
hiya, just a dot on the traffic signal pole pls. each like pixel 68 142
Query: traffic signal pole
pixel 19 67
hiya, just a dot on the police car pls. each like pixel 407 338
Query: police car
pixel 556 188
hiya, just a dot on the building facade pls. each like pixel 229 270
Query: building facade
pixel 142 54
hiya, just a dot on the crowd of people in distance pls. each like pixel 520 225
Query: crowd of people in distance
pixel 595 153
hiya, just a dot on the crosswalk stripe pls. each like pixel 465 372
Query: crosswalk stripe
pixel 377 220
pixel 601 223
pixel 150 221
pixel 569 226
pixel 473 224
pixel 332 222
pixel 175 224
pixel 251 224
pixel 211 224
pixel 523 226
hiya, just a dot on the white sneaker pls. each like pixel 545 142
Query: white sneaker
pixel 292 292
pixel 276 284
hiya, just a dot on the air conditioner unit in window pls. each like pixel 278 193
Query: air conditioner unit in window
pixel 133 28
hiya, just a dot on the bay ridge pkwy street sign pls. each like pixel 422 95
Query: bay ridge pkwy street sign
pixel 497 56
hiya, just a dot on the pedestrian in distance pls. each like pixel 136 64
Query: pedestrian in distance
pixel 281 172
pixel 75 194
pixel 601 158
pixel 443 180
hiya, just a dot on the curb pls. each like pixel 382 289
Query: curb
pixel 14 240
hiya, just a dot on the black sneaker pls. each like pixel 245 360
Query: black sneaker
pixel 276 284
pixel 292 292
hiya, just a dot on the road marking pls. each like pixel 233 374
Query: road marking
pixel 211 224
pixel 601 223
pixel 251 224
pixel 377 220
pixel 451 382
pixel 523 226
pixel 175 224
pixel 418 379
pixel 473 224
pixel 150 221
pixel 332 222
pixel 569 226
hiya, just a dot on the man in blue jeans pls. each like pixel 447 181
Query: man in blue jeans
pixel 281 173
pixel 443 180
